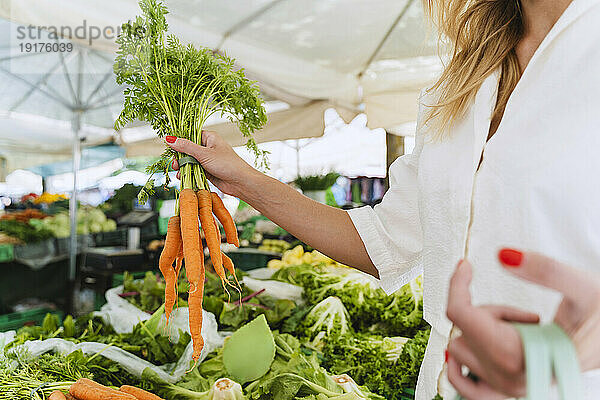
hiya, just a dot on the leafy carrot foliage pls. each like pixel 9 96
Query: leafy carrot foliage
pixel 177 87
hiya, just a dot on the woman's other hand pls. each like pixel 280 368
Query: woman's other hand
pixel 223 167
pixel 490 347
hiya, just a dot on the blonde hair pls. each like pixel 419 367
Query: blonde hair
pixel 482 35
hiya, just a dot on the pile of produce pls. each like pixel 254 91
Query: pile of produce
pixel 297 256
pixel 49 198
pixel 347 340
pixel 316 182
pixel 89 220
pixel 274 245
pixel 21 225
pixel 32 225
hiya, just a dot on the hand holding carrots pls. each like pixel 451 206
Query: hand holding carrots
pixel 223 167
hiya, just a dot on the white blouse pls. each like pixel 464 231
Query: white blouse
pixel 537 188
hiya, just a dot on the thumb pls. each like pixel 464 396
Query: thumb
pixel 571 282
pixel 459 297
pixel 188 147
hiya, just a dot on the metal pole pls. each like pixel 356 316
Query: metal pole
pixel 297 157
pixel 76 126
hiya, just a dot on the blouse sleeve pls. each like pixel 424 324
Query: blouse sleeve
pixel 391 231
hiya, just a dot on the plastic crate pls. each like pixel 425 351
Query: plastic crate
pixel 249 259
pixel 7 253
pixel 114 238
pixel 83 242
pixel 43 249
pixel 17 320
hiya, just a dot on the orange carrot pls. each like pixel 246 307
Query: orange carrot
pixel 195 296
pixel 194 265
pixel 178 263
pixel 225 219
pixel 188 211
pixel 165 263
pixel 139 394
pixel 85 389
pixel 211 234
pixel 57 395
pixel 228 264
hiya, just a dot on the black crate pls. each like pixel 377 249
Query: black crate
pixel 114 238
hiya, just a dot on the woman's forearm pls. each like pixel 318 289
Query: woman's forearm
pixel 327 229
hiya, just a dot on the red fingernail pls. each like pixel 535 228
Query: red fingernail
pixel 510 257
pixel 170 139
pixel 446 356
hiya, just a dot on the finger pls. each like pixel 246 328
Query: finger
pixel 188 147
pixel 178 175
pixel 459 297
pixel 511 314
pixel 572 283
pixel 468 388
pixel 460 351
pixel 205 136
pixel 175 164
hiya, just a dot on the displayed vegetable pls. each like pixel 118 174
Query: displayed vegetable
pixel 369 307
pixel 221 389
pixel 24 215
pixel 29 197
pixel 147 293
pixel 89 220
pixel 274 245
pixel 48 198
pixel 87 389
pixel 329 318
pixel 316 182
pixel 26 378
pixel 297 256
pixel 144 341
pixel 249 352
pixel 371 361
pixel 176 88
pixel 139 394
pixel 25 231
pixel 7 239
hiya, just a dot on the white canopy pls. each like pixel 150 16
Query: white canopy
pixel 357 56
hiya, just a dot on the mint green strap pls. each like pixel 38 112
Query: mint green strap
pixel 565 363
pixel 548 349
pixel 537 361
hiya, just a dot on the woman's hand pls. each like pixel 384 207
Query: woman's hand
pixel 223 167
pixel 491 347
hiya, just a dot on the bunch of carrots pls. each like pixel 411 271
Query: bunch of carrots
pixel 183 242
pixel 86 389
pixel 176 88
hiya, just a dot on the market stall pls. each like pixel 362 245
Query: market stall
pixel 171 289
pixel 315 328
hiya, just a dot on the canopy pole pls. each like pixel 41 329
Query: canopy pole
pixel 76 126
